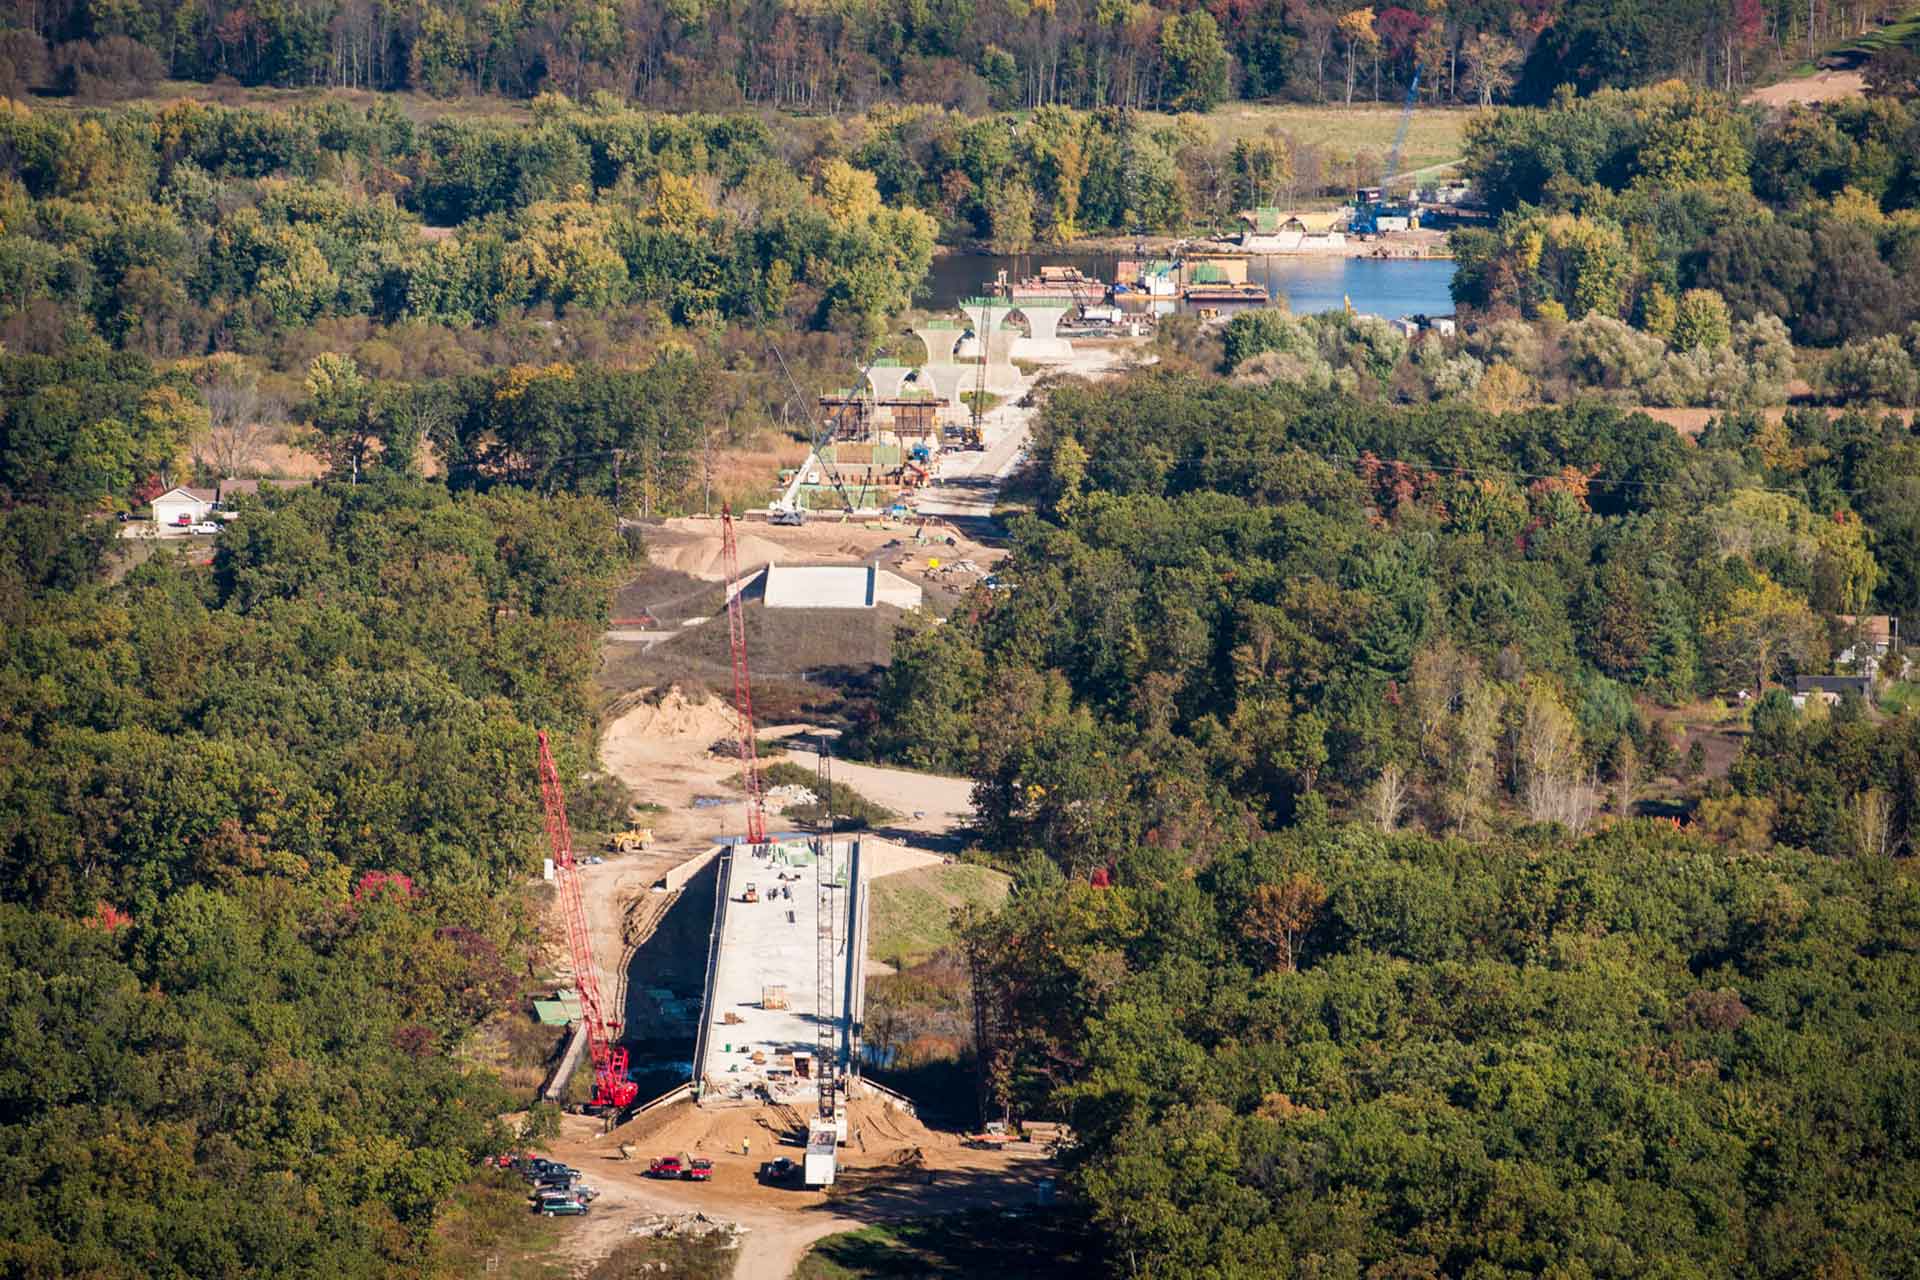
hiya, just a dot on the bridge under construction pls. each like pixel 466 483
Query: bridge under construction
pixel 785 978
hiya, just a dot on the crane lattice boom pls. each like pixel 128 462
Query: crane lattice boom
pixel 1400 134
pixel 611 1088
pixel 742 684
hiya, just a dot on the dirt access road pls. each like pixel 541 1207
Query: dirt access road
pixel 660 748
pixel 970 482
pixel 884 1178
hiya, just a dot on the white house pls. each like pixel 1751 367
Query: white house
pixel 195 504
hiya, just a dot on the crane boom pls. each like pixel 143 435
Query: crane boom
pixel 611 1088
pixel 742 684
pixel 1400 135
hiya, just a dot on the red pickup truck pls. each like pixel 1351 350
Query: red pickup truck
pixel 699 1170
pixel 666 1167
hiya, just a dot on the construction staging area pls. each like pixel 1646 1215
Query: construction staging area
pixel 793 1141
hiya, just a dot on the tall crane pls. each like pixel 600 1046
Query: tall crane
pixel 1400 134
pixel 611 1088
pixel 1371 206
pixel 974 439
pixel 742 683
pixel 820 431
pixel 826 1021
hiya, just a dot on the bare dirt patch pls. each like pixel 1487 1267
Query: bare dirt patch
pixel 1821 86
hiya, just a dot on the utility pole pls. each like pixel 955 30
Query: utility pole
pixel 646 485
pixel 706 466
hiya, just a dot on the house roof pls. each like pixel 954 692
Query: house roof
pixel 1831 684
pixel 182 491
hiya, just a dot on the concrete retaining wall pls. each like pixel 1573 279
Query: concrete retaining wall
pixel 856 970
pixel 723 889
pixel 569 1062
pixel 676 879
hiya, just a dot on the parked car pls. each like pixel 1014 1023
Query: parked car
pixel 699 1170
pixel 778 1170
pixel 666 1167
pixel 205 526
pixel 560 1208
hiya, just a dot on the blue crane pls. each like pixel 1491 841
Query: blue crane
pixel 1373 204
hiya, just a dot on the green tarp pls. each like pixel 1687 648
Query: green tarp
pixel 559 1011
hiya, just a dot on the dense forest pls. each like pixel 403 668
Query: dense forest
pixel 265 830
pixel 1353 668
pixel 957 53
pixel 1659 246
pixel 1321 738
pixel 1377 911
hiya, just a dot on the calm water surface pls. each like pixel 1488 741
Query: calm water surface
pixel 1378 286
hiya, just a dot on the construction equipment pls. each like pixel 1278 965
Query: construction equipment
pixel 971 437
pixel 632 840
pixel 752 893
pixel 742 682
pixel 611 1088
pixel 1374 207
pixel 824 1132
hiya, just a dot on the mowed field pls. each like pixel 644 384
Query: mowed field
pixel 913 910
pixel 1434 136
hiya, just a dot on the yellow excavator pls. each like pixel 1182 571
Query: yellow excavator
pixel 632 840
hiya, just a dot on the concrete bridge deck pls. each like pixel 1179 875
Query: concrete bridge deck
pixel 773 943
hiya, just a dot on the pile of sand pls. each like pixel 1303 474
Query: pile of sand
pixel 683 1126
pixel 703 555
pixel 675 715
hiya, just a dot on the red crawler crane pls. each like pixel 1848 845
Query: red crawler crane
pixel 742 684
pixel 611 1088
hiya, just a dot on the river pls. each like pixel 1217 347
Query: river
pixel 1389 287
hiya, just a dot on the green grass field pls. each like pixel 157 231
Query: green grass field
pixel 1009 1246
pixel 1901 697
pixel 1434 137
pixel 913 910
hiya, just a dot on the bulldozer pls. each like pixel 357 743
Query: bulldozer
pixel 632 840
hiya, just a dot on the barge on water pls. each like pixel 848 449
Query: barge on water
pixel 1053 282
